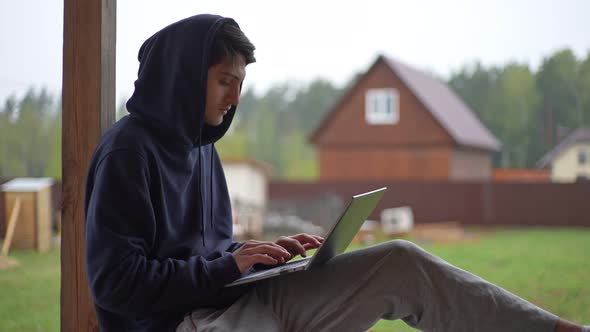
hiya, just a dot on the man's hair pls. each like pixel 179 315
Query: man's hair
pixel 229 42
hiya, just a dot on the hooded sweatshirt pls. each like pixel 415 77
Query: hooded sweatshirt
pixel 158 215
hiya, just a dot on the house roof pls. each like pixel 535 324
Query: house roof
pixel 26 184
pixel 577 136
pixel 448 109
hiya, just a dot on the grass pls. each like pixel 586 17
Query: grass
pixel 29 299
pixel 549 267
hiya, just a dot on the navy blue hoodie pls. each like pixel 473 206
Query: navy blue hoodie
pixel 158 215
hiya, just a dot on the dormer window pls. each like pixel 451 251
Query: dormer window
pixel 382 106
pixel 582 158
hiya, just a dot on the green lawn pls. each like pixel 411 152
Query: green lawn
pixel 549 267
pixel 29 299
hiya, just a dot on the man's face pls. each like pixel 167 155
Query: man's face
pixel 223 88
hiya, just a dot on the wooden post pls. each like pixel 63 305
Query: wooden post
pixel 11 226
pixel 88 110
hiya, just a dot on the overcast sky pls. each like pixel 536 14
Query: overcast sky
pixel 302 40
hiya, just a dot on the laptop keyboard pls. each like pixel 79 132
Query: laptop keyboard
pixel 292 264
pixel 283 267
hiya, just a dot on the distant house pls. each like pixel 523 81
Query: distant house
pixel 247 181
pixel 569 160
pixel 397 123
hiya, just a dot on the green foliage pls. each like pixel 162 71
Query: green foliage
pixel 528 112
pixel 311 104
pixel 583 92
pixel 233 145
pixel 54 156
pixel 557 83
pixel 298 157
pixel 264 132
pixel 30 132
pixel 275 127
pixel 515 107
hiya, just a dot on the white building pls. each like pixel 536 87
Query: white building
pixel 569 161
pixel 247 181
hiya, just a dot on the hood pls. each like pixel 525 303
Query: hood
pixel 171 87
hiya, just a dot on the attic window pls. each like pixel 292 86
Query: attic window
pixel 582 157
pixel 382 106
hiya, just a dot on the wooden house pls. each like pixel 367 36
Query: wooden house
pixel 398 123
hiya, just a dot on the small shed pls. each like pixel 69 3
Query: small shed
pixel 247 181
pixel 32 230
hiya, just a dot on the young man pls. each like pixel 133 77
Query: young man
pixel 159 245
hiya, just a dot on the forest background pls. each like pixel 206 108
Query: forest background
pixel 528 110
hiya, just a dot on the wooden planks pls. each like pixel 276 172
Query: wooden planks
pixel 11 226
pixel 24 233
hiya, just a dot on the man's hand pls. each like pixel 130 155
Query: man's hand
pixel 300 243
pixel 264 252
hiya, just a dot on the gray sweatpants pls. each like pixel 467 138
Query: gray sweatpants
pixel 392 280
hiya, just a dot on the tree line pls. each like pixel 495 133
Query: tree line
pixel 528 111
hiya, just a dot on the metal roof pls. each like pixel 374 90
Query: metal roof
pixel 448 109
pixel 26 184
pixel 577 136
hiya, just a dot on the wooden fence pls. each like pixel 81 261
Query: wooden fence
pixel 489 203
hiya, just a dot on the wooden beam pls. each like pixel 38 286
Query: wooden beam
pixel 11 226
pixel 88 110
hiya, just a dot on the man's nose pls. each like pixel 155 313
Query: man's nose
pixel 234 96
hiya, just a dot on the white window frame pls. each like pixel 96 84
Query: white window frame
pixel 382 106
pixel 582 157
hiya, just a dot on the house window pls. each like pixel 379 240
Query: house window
pixel 582 157
pixel 382 106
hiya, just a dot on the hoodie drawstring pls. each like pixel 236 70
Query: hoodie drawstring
pixel 211 185
pixel 201 205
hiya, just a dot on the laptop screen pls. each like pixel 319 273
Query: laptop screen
pixel 340 236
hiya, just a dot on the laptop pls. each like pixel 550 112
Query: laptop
pixel 335 243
